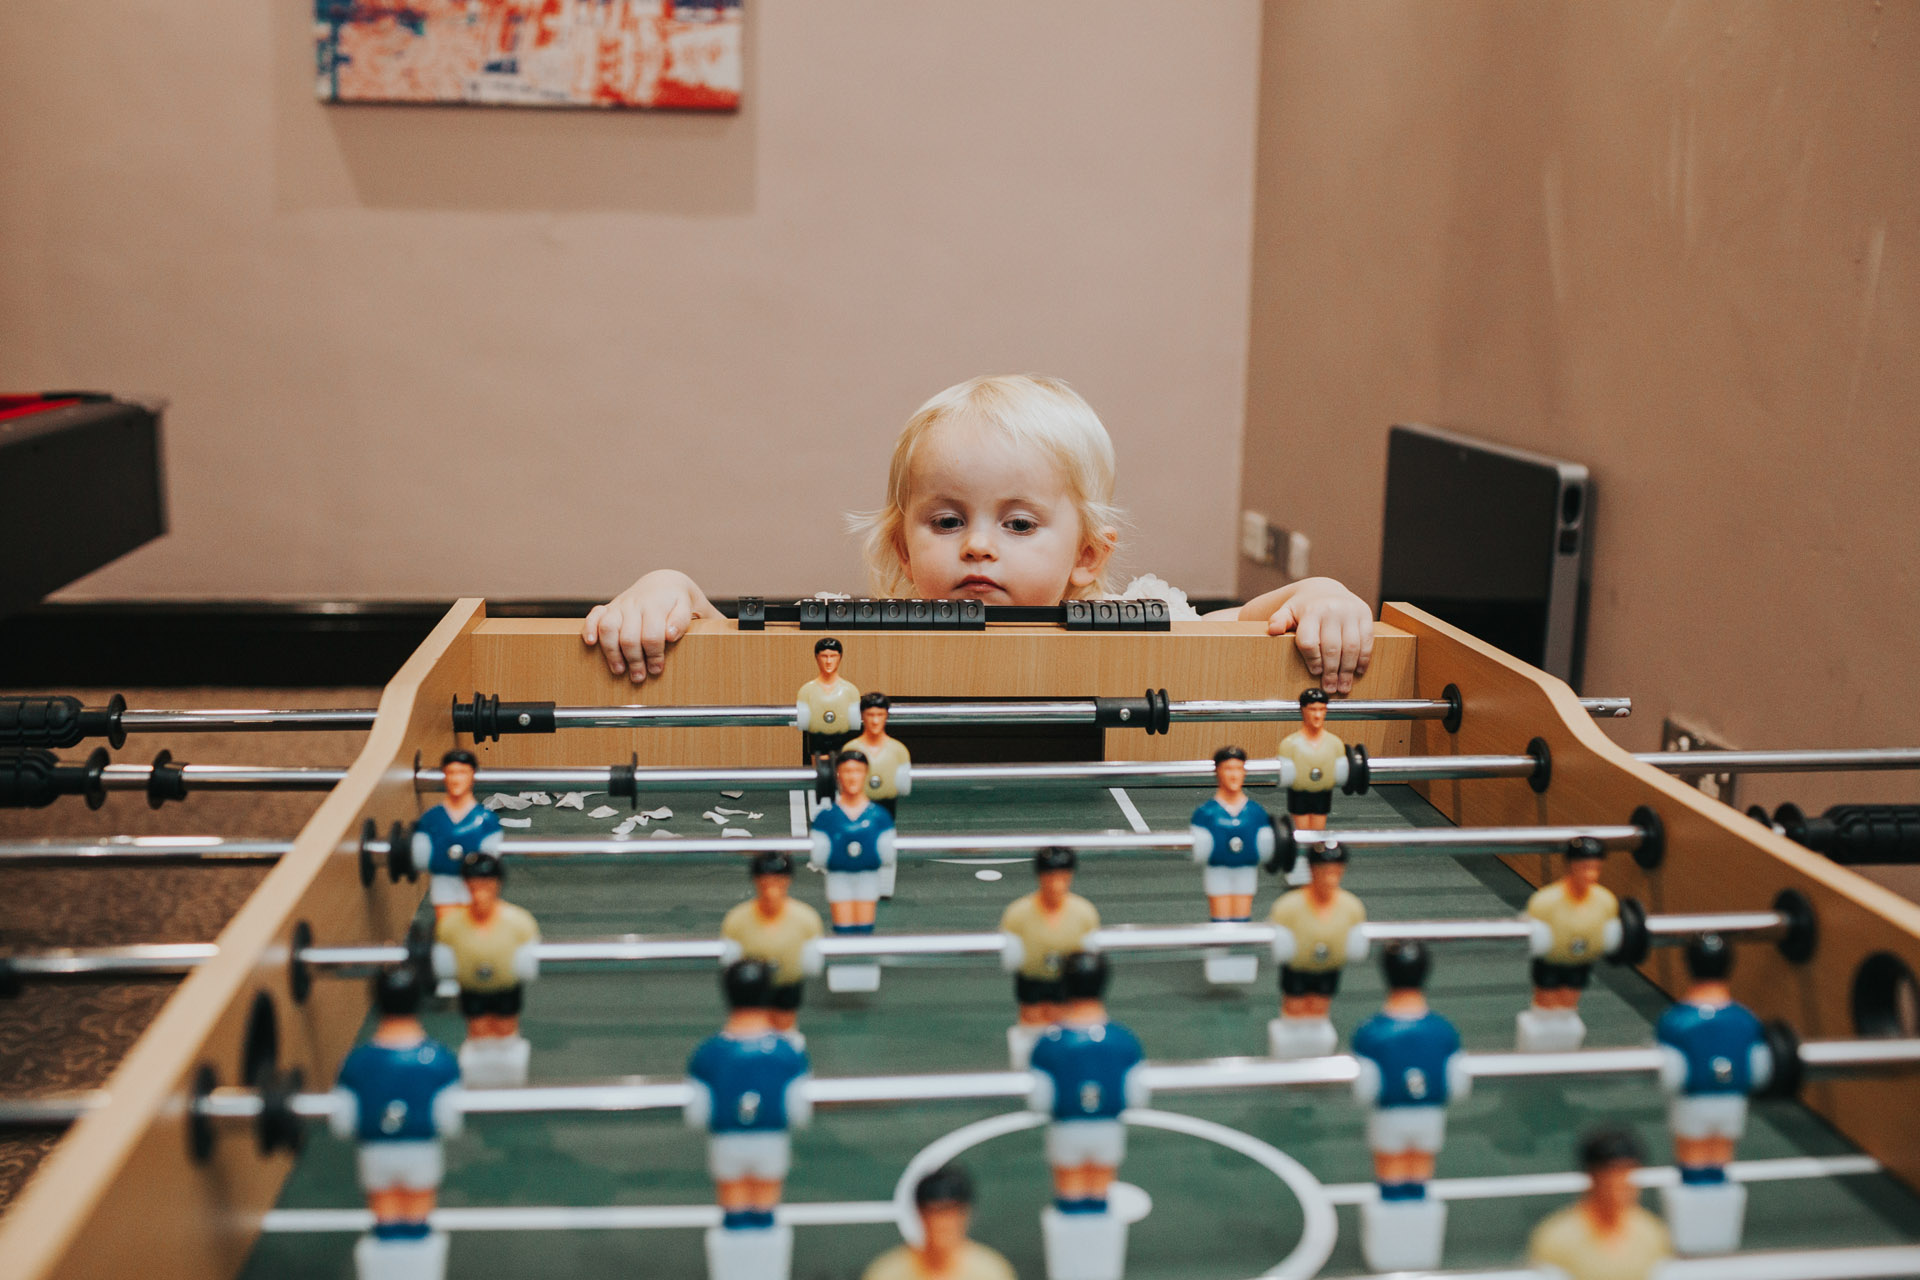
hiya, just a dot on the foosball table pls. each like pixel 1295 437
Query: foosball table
pixel 628 830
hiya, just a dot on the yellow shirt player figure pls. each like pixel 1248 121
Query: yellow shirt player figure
pixel 1321 931
pixel 828 708
pixel 889 766
pixel 1041 929
pixel 1319 765
pixel 778 929
pixel 489 949
pixel 1605 1235
pixel 1575 921
pixel 944 1199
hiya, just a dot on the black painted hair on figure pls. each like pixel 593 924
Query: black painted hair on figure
pixel 396 992
pixel 868 701
pixel 1225 754
pixel 1610 1145
pixel 480 865
pixel 1054 858
pixel 1406 965
pixel 1709 958
pixel 748 984
pixel 1313 695
pixel 827 644
pixel 845 756
pixel 949 1184
pixel 771 863
pixel 460 755
pixel 1083 975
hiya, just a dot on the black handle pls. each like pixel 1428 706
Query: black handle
pixel 1857 834
pixel 35 779
pixel 487 717
pixel 58 721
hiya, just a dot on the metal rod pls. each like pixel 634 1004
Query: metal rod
pixel 1423 768
pixel 1819 1057
pixel 226 777
pixel 1058 711
pixel 243 720
pixel 177 957
pixel 144 849
pixel 640 949
pixel 1812 761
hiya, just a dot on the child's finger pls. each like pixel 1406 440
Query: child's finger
pixel 633 657
pixel 653 640
pixel 1366 648
pixel 590 629
pixel 608 637
pixel 1306 638
pixel 678 618
pixel 1349 656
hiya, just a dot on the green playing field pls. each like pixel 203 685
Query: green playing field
pixel 1214 1212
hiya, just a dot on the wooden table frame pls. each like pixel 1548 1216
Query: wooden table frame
pixel 122 1193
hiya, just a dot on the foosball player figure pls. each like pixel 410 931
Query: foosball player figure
pixel 889 766
pixel 1232 836
pixel 1319 765
pixel 778 929
pixel 852 842
pixel 748 1088
pixel 1605 1235
pixel 1041 928
pixel 1716 1054
pixel 944 1200
pixel 828 708
pixel 1321 928
pixel 1575 921
pixel 489 950
pixel 452 829
pixel 1085 1074
pixel 1410 1069
pixel 398 1095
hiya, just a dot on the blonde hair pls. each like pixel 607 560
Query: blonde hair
pixel 1039 412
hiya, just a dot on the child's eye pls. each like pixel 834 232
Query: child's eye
pixel 948 523
pixel 1021 524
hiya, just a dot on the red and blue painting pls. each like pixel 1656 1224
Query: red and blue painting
pixel 531 53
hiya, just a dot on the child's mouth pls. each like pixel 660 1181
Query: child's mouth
pixel 976 586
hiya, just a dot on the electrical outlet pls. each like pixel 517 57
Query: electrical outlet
pixel 1297 548
pixel 1256 537
pixel 1678 735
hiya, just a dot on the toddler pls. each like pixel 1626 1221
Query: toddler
pixel 1001 489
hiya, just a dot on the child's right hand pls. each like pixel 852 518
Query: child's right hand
pixel 634 628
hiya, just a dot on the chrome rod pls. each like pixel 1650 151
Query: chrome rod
pixel 1423 768
pixel 1816 761
pixel 144 849
pixel 1057 711
pixel 243 720
pixel 173 957
pixel 641 1094
pixel 640 949
pixel 1852 1055
pixel 226 777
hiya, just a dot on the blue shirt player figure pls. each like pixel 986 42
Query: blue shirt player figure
pixel 398 1095
pixel 748 1089
pixel 852 841
pixel 1232 836
pixel 1716 1054
pixel 1410 1069
pixel 452 829
pixel 1085 1074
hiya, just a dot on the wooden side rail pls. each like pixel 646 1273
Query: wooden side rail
pixel 1717 860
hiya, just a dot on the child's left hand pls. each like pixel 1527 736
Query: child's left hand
pixel 1332 628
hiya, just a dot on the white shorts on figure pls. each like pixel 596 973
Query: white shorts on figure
pixel 449 891
pixel 1072 1143
pixel 1707 1115
pixel 400 1166
pixel 1396 1129
pixel 748 1155
pixel 853 886
pixel 1230 882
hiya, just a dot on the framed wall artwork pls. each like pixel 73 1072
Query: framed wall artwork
pixel 530 53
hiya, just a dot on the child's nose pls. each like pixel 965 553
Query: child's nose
pixel 979 543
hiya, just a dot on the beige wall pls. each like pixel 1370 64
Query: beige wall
pixel 422 352
pixel 1678 242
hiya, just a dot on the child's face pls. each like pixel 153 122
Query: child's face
pixel 989 519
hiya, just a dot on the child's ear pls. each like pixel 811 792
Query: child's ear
pixel 1094 554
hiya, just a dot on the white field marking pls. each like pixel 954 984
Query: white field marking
pixel 1572 1184
pixel 618 1217
pixel 797 812
pixel 986 875
pixel 978 862
pixel 1125 801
